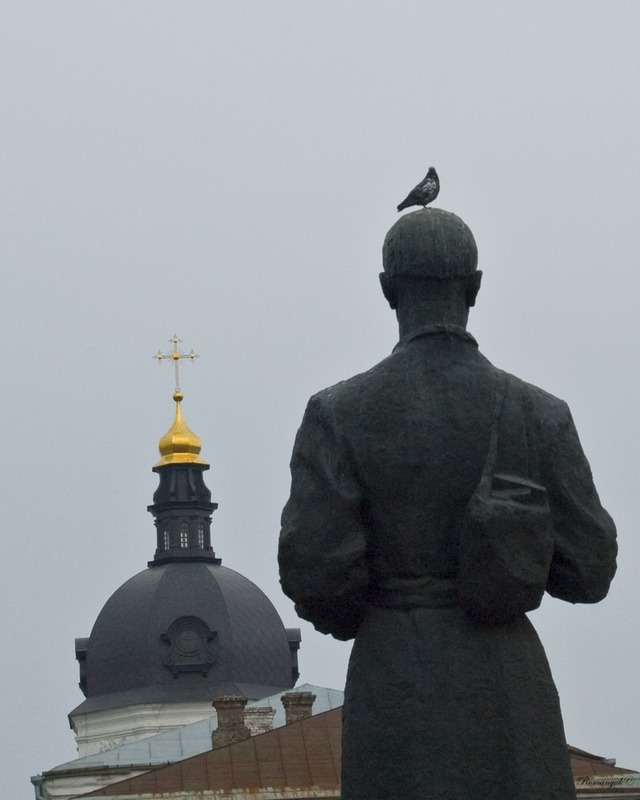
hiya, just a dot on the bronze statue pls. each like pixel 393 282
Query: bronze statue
pixel 433 499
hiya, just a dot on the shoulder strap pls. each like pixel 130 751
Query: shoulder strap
pixel 490 461
pixel 532 437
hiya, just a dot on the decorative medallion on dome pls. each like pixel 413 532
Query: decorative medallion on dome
pixel 191 646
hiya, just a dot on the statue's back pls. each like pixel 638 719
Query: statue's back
pixel 437 706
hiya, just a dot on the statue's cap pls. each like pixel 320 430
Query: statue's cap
pixel 430 243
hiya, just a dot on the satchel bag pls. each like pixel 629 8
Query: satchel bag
pixel 506 540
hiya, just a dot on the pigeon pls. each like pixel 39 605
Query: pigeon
pixel 424 192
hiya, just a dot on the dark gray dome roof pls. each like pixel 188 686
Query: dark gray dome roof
pixel 181 632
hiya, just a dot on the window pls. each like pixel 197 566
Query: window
pixel 184 534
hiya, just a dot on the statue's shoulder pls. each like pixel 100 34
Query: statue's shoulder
pixel 548 409
pixel 353 391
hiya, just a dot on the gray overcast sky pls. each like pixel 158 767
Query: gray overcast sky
pixel 228 171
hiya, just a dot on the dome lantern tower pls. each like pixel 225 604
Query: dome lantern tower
pixel 182 504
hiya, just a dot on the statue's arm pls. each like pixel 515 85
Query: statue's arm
pixel 322 549
pixel 585 557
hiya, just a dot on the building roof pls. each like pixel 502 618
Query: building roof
pixel 298 760
pixel 584 763
pixel 599 777
pixel 188 740
pixel 303 760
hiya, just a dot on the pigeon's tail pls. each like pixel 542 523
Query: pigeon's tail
pixel 405 204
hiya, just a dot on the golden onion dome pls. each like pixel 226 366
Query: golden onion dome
pixel 179 445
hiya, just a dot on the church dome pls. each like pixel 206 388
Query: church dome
pixel 186 629
pixel 185 632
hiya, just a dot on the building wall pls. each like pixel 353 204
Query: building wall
pixel 104 730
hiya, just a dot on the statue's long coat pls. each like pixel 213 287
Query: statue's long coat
pixel 437 707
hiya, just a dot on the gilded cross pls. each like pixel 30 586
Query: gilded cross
pixel 175 356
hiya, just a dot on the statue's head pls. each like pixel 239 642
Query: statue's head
pixel 430 244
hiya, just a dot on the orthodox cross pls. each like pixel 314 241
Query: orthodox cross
pixel 175 356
